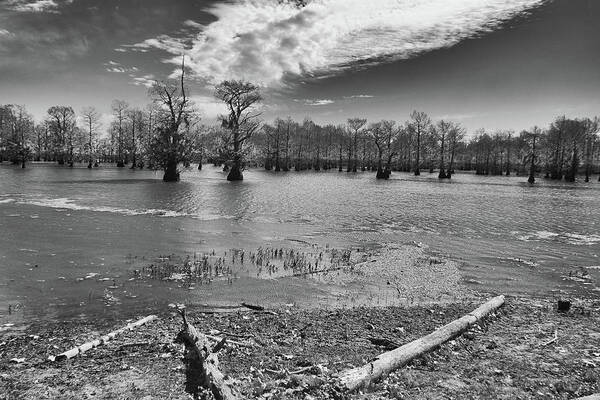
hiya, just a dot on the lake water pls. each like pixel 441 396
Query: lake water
pixel 61 224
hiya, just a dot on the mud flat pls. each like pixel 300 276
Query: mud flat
pixel 386 297
pixel 526 350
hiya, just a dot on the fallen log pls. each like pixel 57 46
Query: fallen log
pixel 95 343
pixel 202 364
pixel 385 363
pixel 253 307
pixel 590 397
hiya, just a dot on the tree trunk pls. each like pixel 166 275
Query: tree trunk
pixel 380 171
pixel 531 178
pixel 508 157
pixel 171 173
pixel 202 364
pixel 571 174
pixel 353 379
pixel 349 166
pixel 442 174
pixel 417 166
pixel 102 340
pixel 235 173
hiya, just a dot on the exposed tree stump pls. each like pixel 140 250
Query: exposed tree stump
pixel 202 364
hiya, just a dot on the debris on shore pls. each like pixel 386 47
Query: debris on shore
pixel 525 350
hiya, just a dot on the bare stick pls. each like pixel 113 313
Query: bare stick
pixel 95 343
pixel 554 339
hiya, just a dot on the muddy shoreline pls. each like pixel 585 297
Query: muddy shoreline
pixel 397 293
pixel 506 357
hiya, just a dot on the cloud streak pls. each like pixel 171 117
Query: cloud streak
pixel 36 5
pixel 113 66
pixel 319 102
pixel 267 41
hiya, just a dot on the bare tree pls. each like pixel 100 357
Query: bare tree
pixel 21 129
pixel 62 127
pixel 172 143
pixel 355 125
pixel 136 121
pixel 531 137
pixel 119 108
pixel 443 130
pixel 91 121
pixel 455 135
pixel 242 121
pixel 419 124
pixel 378 136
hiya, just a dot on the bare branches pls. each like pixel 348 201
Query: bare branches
pixel 173 142
pixel 240 98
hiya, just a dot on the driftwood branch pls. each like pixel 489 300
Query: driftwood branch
pixel 95 343
pixel 385 363
pixel 554 339
pixel 253 307
pixel 202 364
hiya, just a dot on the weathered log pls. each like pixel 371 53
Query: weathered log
pixel 95 343
pixel 385 363
pixel 253 307
pixel 202 364
pixel 590 397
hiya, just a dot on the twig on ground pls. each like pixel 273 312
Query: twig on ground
pixel 554 339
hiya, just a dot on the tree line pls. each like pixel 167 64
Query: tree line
pixel 168 134
pixel 566 148
pixel 165 135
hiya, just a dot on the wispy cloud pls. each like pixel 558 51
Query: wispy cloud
pixel 320 102
pixel 146 80
pixel 360 96
pixel 113 66
pixel 265 41
pixel 36 5
pixel 163 42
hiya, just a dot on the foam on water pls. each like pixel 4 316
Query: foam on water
pixel 68 204
pixel 582 240
pixel 568 237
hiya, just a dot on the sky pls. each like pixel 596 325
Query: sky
pixel 492 64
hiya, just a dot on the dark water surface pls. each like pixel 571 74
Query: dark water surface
pixel 510 237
